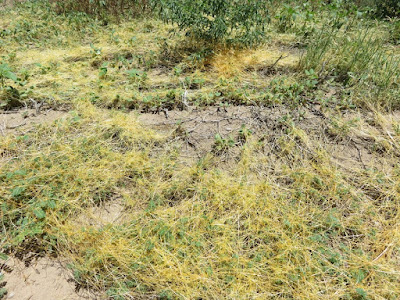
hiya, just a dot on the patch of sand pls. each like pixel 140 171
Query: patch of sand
pixel 23 120
pixel 44 279
pixel 111 212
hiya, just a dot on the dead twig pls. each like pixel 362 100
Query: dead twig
pixel 359 154
pixel 37 106
pixel 383 252
pixel 276 62
pixel 16 126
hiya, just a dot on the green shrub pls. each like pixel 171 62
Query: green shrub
pixel 388 8
pixel 381 8
pixel 226 22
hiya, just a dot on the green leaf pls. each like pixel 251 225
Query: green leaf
pixel 51 204
pixel 3 292
pixel 360 275
pixel 39 213
pixel 3 256
pixel 11 75
pixel 17 191
pixel 5 72
pixel 362 293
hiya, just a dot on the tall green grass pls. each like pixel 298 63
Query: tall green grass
pixel 355 56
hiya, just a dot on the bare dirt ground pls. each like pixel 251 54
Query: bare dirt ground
pixel 196 129
pixel 44 279
pixel 110 212
pixel 20 121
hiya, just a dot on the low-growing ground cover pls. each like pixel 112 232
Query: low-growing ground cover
pixel 164 169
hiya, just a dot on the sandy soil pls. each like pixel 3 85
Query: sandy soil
pixel 44 279
pixel 110 212
pixel 23 120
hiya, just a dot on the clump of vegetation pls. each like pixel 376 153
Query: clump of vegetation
pixel 358 60
pixel 215 22
pixel 6 73
pixel 387 8
pixel 226 21
pixel 9 96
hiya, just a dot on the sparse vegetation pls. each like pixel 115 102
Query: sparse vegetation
pixel 240 169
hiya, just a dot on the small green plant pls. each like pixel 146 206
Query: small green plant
pixel 103 71
pixel 287 17
pixel 3 293
pixel 221 145
pixel 94 50
pixel 296 18
pixel 312 79
pixel 361 294
pixel 177 71
pixel 136 75
pixel 341 128
pixel 6 73
pixel 114 37
pixel 244 134
pixel 10 96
